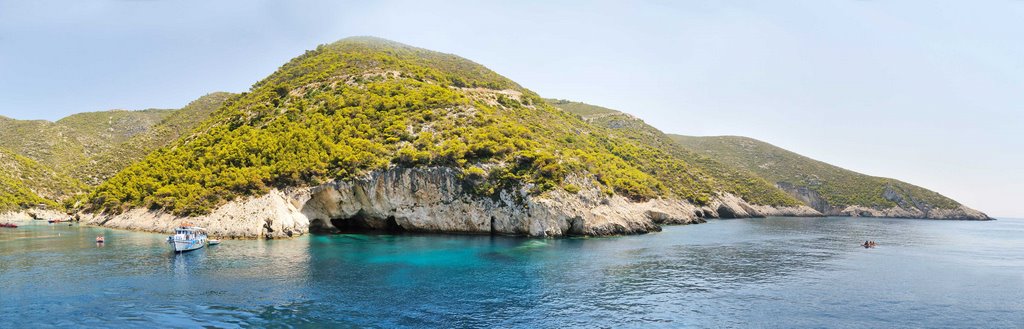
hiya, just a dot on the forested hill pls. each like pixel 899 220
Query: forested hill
pixel 50 163
pixel 91 147
pixel 584 110
pixel 725 178
pixel 25 183
pixel 838 187
pixel 362 105
pixel 62 144
pixel 827 188
pixel 101 165
pixel 359 106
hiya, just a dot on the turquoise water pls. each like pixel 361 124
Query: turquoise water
pixel 775 272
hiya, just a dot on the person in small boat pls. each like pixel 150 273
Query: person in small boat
pixel 867 244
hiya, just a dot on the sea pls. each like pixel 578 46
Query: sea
pixel 740 273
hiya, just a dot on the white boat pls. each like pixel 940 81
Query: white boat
pixel 214 242
pixel 187 238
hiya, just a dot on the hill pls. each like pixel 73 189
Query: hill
pixel 25 184
pixel 52 163
pixel 91 147
pixel 62 144
pixel 722 177
pixel 827 188
pixel 108 160
pixel 584 110
pixel 367 132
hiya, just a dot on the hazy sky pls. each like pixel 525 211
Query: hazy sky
pixel 929 92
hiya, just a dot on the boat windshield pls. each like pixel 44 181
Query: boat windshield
pixel 190 232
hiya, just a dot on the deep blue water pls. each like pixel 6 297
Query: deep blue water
pixel 774 272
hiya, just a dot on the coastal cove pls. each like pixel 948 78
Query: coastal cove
pixel 371 133
pixel 771 272
pixel 508 164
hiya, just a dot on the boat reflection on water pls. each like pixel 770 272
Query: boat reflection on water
pixel 187 263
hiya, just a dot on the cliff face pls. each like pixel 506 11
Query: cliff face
pixel 393 129
pixel 905 208
pixel 437 200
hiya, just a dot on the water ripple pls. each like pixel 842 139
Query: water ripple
pixel 775 272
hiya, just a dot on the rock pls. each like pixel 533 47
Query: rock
pixel 30 214
pixel 421 200
pixel 959 213
pixel 806 195
pixel 731 206
pixel 906 207
pixel 268 216
pixel 436 200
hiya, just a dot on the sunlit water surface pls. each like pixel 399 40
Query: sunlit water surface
pixel 774 272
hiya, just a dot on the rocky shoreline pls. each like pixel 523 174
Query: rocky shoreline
pixel 32 214
pixel 432 201
pixel 819 203
pixel 961 213
pixel 435 200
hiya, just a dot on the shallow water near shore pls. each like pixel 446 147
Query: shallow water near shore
pixel 772 272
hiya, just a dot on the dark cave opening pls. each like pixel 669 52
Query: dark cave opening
pixel 361 222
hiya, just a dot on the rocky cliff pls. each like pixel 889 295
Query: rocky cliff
pixel 831 190
pixel 367 133
pixel 438 200
pixel 906 207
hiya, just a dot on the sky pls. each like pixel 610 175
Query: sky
pixel 928 92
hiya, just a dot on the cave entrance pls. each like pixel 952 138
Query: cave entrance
pixel 362 222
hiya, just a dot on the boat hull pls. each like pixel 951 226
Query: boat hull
pixel 187 245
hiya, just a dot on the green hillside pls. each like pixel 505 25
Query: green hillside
pixel 838 186
pixel 584 110
pixel 92 146
pixel 64 143
pixel 363 104
pixel 51 162
pixel 106 162
pixel 25 183
pixel 745 184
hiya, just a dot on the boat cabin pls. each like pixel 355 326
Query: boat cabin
pixel 189 232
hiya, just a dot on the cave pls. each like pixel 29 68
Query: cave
pixel 576 227
pixel 361 222
pixel 724 212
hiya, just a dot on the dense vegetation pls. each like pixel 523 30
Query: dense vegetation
pixel 838 186
pixel 721 177
pixel 62 144
pixel 362 104
pixel 25 183
pixel 91 147
pixel 584 110
pixel 48 162
pixel 99 167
